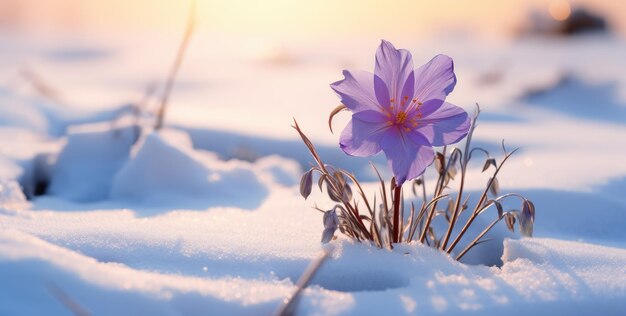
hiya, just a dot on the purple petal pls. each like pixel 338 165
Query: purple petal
pixel 356 91
pixel 408 154
pixel 447 125
pixel 394 67
pixel 435 80
pixel 428 107
pixel 370 116
pixel 409 87
pixel 381 91
pixel 361 138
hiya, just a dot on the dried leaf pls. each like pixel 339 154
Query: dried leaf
pixel 306 184
pixel 320 181
pixel 499 208
pixel 529 207
pixel 331 170
pixel 327 235
pixel 334 112
pixel 527 218
pixel 509 219
pixel 452 172
pixel 450 208
pixel 341 179
pixel 347 192
pixel 331 193
pixel 494 188
pixel 489 162
pixel 439 162
pixel 331 221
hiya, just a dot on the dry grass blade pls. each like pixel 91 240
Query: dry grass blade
pixel 71 304
pixel 41 86
pixel 361 192
pixel 311 148
pixel 385 210
pixel 476 240
pixel 481 201
pixel 288 306
pixel 334 112
pixel 180 55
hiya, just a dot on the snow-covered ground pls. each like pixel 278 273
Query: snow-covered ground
pixel 205 216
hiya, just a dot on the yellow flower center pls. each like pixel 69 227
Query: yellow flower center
pixel 401 117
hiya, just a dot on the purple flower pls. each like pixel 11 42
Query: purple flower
pixel 401 111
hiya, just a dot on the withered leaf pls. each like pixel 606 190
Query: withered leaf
pixel 306 183
pixel 494 188
pixel 489 162
pixel 334 112
pixel 510 221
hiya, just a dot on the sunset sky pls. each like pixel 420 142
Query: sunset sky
pixel 293 18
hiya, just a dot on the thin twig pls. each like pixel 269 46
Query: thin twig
pixel 191 22
pixel 464 162
pixel 288 305
pixel 481 201
pixel 41 86
pixel 438 189
pixel 71 304
pixel 396 213
pixel 477 239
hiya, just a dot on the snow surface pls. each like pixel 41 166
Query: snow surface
pixel 205 217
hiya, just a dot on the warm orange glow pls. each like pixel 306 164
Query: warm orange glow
pixel 559 9
pixel 297 19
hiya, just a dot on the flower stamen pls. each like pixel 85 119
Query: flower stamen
pixel 401 117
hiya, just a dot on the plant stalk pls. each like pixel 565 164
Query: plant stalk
pixel 481 201
pixel 396 213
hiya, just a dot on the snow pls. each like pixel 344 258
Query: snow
pixel 542 275
pixel 93 154
pixel 204 216
pixel 188 175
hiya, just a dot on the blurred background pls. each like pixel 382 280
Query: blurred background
pixel 252 66
pixel 273 19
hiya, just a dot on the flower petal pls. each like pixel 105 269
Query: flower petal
pixel 408 154
pixel 394 67
pixel 427 108
pixel 370 116
pixel 361 138
pixel 447 125
pixel 435 79
pixel 381 91
pixel 356 91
